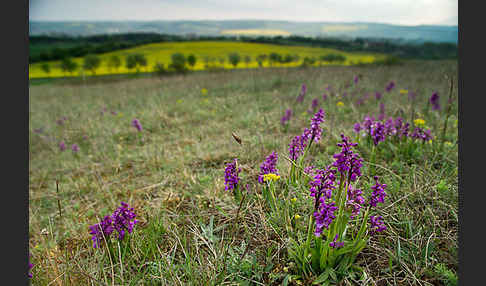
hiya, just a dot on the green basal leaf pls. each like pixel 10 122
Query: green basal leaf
pixel 322 278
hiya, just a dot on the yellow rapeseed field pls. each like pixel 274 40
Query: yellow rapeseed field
pixel 161 52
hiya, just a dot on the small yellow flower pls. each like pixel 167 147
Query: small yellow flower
pixel 448 144
pixel 403 91
pixel 270 177
pixel 294 200
pixel 286 269
pixel 430 141
pixel 297 216
pixel 179 101
pixel 340 104
pixel 419 122
pixel 204 91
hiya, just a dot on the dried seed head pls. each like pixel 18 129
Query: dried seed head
pixel 236 137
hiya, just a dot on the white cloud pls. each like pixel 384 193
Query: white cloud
pixel 403 12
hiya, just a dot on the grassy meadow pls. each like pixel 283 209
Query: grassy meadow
pixel 191 231
pixel 161 52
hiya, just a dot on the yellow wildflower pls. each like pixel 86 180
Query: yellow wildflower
pixel 403 91
pixel 340 104
pixel 419 122
pixel 270 177
pixel 204 91
pixel 179 101
pixel 294 200
pixel 297 216
pixel 448 144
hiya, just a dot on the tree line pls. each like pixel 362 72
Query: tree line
pixel 181 64
pixel 48 48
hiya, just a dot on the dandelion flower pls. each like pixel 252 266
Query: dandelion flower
pixel 270 177
pixel 419 122
pixel 340 104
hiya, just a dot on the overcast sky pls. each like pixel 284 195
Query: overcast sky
pixel 402 12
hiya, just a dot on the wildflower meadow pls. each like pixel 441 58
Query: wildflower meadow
pixel 333 175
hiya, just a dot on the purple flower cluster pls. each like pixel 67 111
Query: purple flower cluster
pixel 420 133
pixel 379 131
pixel 390 86
pixel 136 124
pixel 378 95
pixel 103 229
pixel 297 145
pixel 356 78
pixel 324 216
pixel 231 178
pixel 378 195
pixel 30 267
pixel 75 148
pixel 122 220
pixel 335 243
pixel 286 117
pixel 347 160
pixel 268 166
pixel 299 142
pixel 303 90
pixel 315 104
pixel 62 146
pixel 323 183
pixel 310 170
pixel 434 100
pixel 316 129
pixel 354 201
pixel 377 224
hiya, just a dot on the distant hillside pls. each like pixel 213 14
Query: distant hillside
pixel 415 34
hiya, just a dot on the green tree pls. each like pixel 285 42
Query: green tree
pixel 159 69
pixel 46 68
pixel 260 59
pixel 234 58
pixel 331 58
pixel 136 61
pixel 221 61
pixel 247 60
pixel 91 63
pixel 114 62
pixel 68 65
pixel 191 60
pixel 206 60
pixel 274 58
pixel 130 62
pixel 178 62
pixel 141 60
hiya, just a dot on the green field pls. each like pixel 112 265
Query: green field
pixel 161 52
pixel 192 231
